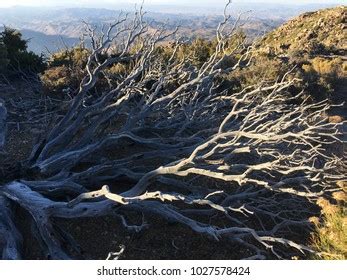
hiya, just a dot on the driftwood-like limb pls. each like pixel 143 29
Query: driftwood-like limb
pixel 3 124
pixel 10 238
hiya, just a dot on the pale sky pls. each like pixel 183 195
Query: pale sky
pixel 102 3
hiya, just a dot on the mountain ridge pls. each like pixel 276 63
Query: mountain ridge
pixel 41 24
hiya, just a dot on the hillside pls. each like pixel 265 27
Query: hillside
pixel 319 32
pixel 316 43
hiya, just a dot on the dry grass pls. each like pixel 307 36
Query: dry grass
pixel 330 237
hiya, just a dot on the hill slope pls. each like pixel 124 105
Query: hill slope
pixel 320 32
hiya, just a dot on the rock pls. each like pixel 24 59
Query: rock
pixel 311 35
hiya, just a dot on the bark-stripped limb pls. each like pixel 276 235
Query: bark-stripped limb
pixel 10 238
pixel 43 209
pixel 3 124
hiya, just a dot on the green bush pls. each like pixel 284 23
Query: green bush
pixel 56 78
pixel 324 73
pixel 262 68
pixel 65 69
pixel 19 58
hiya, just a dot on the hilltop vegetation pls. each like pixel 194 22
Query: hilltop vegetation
pixel 315 33
pixel 315 43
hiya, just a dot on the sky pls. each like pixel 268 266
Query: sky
pixel 102 3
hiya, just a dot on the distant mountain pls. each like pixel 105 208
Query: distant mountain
pixel 40 42
pixel 273 11
pixel 53 28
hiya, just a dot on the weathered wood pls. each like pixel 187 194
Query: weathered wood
pixel 10 238
pixel 3 124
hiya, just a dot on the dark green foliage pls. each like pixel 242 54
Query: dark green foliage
pixel 12 38
pixel 19 58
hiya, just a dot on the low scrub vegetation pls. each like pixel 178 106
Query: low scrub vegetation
pixel 330 236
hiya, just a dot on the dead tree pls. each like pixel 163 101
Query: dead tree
pixel 233 166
